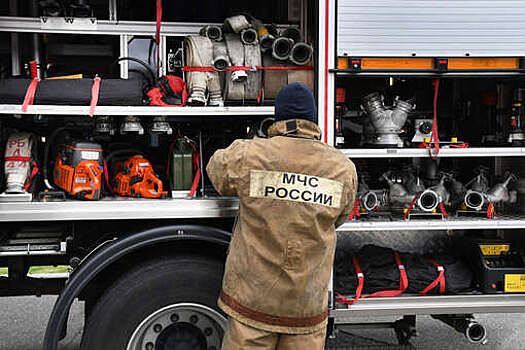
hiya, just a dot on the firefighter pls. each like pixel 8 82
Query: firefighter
pixel 294 190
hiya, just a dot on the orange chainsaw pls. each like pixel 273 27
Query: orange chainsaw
pixel 135 177
pixel 78 170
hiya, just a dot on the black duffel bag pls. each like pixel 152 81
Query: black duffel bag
pixel 74 92
pixel 381 272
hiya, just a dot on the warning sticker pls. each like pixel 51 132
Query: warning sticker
pixel 515 283
pixel 295 187
pixel 494 249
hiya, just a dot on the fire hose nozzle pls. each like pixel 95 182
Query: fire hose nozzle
pixel 281 48
pixel 473 331
pixel 301 54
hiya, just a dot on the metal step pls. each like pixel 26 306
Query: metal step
pixel 349 341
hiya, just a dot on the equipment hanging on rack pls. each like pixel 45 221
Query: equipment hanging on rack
pixel 20 167
pixel 517 121
pixel 78 170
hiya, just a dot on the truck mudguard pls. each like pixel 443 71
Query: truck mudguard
pixel 109 253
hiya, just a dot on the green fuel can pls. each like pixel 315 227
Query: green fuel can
pixel 181 176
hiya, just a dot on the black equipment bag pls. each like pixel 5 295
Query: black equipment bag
pixel 74 92
pixel 381 272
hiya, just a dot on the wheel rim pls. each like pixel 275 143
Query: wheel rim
pixel 182 326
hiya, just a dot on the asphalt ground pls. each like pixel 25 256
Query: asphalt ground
pixel 23 321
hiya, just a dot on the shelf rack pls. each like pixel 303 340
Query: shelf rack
pixel 444 152
pixel 138 110
pixel 428 305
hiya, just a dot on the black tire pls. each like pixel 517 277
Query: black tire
pixel 146 289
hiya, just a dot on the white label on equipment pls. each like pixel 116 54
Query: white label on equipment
pixel 89 155
pixel 144 164
pixel 295 187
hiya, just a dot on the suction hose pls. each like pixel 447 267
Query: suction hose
pixel 281 48
pixel 292 33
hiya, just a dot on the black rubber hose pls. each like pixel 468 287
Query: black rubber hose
pixel 153 80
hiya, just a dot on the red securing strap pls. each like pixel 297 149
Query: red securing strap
pixel 442 209
pixel 32 176
pixel 30 94
pixel 95 90
pixel 434 135
pixel 361 280
pixel 439 280
pixel 491 211
pixel 196 164
pixel 355 211
pixel 157 31
pixel 33 69
pixel 106 176
pixel 411 205
pixel 17 159
pixel 242 68
pixel 403 282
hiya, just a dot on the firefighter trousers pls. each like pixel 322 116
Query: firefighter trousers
pixel 242 337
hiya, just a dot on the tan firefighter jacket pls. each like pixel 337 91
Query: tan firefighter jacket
pixel 293 190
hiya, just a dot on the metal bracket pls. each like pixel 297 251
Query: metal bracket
pixel 64 23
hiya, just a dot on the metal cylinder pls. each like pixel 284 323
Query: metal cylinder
pixel 292 33
pixel 281 48
pixel 301 54
pixel 249 36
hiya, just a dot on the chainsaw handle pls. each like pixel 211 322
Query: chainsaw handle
pixel 151 176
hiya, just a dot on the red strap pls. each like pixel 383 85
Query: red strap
pixel 361 280
pixel 196 164
pixel 157 31
pixel 439 280
pixel 403 282
pixel 491 211
pixel 32 176
pixel 411 205
pixel 30 94
pixel 17 159
pixel 462 145
pixel 434 137
pixel 355 211
pixel 442 209
pixel 95 90
pixel 242 68
pixel 33 69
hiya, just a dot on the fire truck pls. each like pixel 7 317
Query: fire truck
pixel 106 133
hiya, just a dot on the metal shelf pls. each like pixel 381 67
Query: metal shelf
pixel 139 110
pixel 443 152
pixel 428 305
pixel 61 25
pixel 450 223
pixel 118 209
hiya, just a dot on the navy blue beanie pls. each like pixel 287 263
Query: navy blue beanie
pixel 295 101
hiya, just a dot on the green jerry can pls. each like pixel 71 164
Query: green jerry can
pixel 181 172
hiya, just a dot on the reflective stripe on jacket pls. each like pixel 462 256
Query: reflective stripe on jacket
pixel 293 190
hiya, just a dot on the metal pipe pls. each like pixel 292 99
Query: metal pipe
pixel 473 331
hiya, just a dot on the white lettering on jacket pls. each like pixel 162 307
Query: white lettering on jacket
pixel 295 187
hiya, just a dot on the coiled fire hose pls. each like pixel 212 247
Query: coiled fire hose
pixel 199 53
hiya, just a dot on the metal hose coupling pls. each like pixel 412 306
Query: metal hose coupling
pixel 500 192
pixel 429 200
pixel 221 59
pixel 398 193
pixel 281 48
pixel 212 32
pixel 474 200
pixel 265 37
pixel 249 36
pixel 301 54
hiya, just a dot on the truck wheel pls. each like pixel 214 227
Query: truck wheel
pixel 167 303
